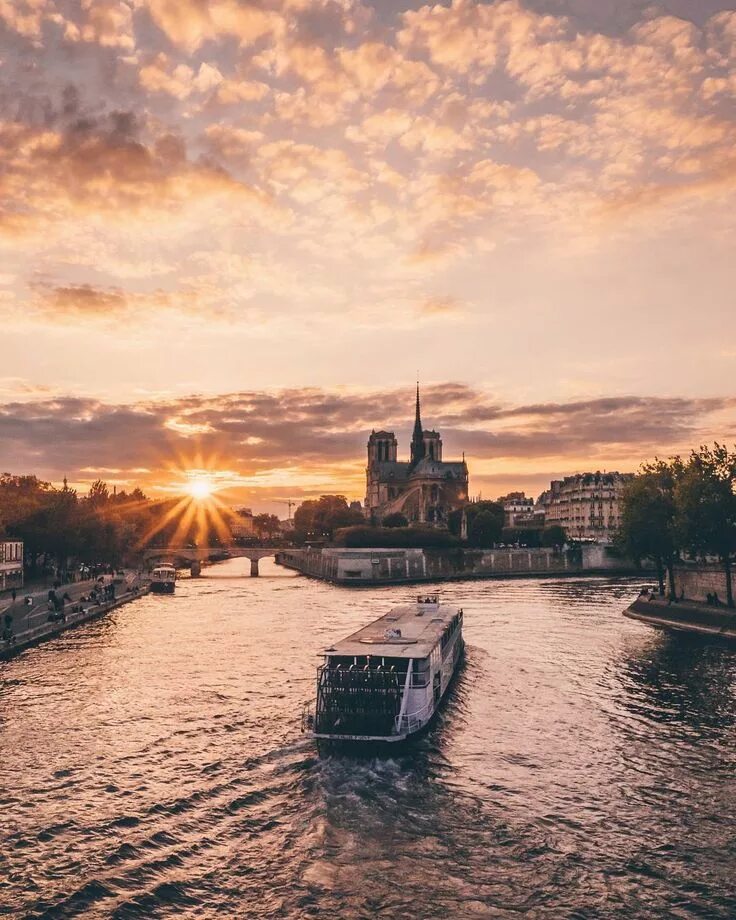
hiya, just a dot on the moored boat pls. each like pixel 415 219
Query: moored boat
pixel 385 682
pixel 163 579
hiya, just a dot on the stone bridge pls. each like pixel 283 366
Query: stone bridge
pixel 197 555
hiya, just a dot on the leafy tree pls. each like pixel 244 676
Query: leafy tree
pixel 471 511
pixel 649 527
pixel 322 517
pixel 267 524
pixel 99 494
pixel 485 529
pixel 554 536
pixel 396 519
pixel 524 536
pixel 706 506
pixel 395 537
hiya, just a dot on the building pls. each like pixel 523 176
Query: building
pixel 11 564
pixel 425 489
pixel 587 505
pixel 517 508
pixel 241 525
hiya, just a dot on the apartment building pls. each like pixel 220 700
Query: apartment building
pixel 587 505
pixel 11 564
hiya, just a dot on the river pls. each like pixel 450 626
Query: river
pixel 152 764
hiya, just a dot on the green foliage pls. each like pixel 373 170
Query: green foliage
pixel 485 533
pixel 395 538
pixel 675 505
pixel 485 528
pixel 268 525
pixel 58 526
pixel 553 537
pixel 706 506
pixel 321 518
pixel 648 519
pixel 524 536
pixel 396 519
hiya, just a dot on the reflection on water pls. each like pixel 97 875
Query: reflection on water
pixel 152 764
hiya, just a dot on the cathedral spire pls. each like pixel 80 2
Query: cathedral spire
pixel 417 439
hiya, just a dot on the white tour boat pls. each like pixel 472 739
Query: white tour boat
pixel 163 579
pixel 385 682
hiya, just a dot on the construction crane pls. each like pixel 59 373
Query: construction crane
pixel 287 501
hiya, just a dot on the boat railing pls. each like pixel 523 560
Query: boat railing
pixel 417 681
pixel 411 721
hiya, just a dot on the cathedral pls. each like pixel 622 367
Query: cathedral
pixel 425 490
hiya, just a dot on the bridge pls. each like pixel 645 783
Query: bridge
pixel 199 554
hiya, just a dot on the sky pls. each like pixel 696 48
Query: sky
pixel 232 236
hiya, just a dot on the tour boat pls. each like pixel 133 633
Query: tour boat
pixel 163 579
pixel 385 682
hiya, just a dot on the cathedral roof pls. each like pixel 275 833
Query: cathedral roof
pixel 427 468
pixel 391 468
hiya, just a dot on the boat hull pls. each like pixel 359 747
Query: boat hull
pixel 162 587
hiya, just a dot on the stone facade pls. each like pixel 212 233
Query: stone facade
pixel 587 505
pixel 11 564
pixel 517 509
pixel 696 582
pixel 425 490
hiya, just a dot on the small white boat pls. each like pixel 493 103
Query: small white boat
pixel 163 579
pixel 385 682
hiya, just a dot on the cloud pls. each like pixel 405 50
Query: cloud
pixel 83 300
pixel 441 306
pixel 266 438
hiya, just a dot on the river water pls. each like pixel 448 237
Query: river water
pixel 151 764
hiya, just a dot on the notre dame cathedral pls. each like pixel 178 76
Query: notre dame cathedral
pixel 425 490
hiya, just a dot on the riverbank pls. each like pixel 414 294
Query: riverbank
pixel 371 567
pixel 685 616
pixel 31 624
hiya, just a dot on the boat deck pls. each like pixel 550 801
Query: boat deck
pixel 408 631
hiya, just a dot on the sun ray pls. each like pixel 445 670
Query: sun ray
pixel 158 526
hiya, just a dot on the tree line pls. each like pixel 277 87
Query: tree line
pixel 682 507
pixel 59 527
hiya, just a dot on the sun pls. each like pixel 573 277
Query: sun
pixel 200 488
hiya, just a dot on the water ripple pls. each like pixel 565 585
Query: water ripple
pixel 582 768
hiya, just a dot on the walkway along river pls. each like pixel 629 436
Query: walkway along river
pixel 153 767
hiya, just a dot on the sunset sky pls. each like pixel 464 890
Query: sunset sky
pixel 232 234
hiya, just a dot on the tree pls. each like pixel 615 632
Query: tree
pixel 99 494
pixel 396 537
pixel 471 511
pixel 524 536
pixel 649 527
pixel 267 525
pixel 706 506
pixel 396 519
pixel 554 536
pixel 322 517
pixel 484 529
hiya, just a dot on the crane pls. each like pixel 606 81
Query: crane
pixel 287 501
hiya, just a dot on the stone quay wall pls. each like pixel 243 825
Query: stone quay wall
pixel 698 581
pixel 386 566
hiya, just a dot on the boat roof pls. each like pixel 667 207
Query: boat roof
pixel 420 625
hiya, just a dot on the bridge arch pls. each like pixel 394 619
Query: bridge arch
pixel 201 554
